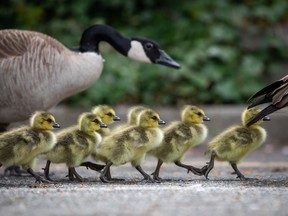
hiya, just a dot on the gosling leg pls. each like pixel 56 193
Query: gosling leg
pixel 194 170
pixel 239 174
pixel 72 173
pixel 47 170
pixel 104 173
pixel 144 174
pixel 38 178
pixel 155 174
pixel 210 165
pixel 93 166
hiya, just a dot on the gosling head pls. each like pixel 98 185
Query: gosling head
pixel 193 115
pixel 89 122
pixel 43 121
pixel 133 114
pixel 149 118
pixel 249 113
pixel 106 113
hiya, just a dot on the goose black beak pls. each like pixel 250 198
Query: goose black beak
pixel 205 118
pixel 116 118
pixel 161 122
pixel 102 125
pixel 56 125
pixel 165 59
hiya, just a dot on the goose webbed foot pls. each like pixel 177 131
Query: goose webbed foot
pixel 239 174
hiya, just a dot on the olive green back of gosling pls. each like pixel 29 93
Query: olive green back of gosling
pixel 132 143
pixel 21 146
pixel 237 141
pixel 182 135
pixel 74 144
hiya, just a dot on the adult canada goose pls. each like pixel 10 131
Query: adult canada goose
pixel 236 142
pixel 276 93
pixel 37 71
pixel 22 145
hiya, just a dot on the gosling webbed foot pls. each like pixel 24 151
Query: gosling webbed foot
pixel 93 166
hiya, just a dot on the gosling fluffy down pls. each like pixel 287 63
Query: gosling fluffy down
pixel 74 144
pixel 131 144
pixel 179 137
pixel 21 146
pixel 236 142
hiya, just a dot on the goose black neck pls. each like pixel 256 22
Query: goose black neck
pixel 92 36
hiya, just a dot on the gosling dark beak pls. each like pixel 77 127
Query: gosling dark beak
pixel 56 125
pixel 116 118
pixel 102 125
pixel 165 59
pixel 205 118
pixel 266 118
pixel 161 122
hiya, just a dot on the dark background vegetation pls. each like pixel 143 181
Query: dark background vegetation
pixel 227 49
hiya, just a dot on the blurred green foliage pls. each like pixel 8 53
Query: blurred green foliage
pixel 228 49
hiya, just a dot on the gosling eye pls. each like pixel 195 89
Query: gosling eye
pixel 199 114
pixel 154 118
pixel 49 120
pixel 148 46
pixel 96 121
pixel 109 114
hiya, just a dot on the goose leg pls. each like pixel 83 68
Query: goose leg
pixel 109 177
pixel 210 166
pixel 72 173
pixel 155 174
pixel 38 178
pixel 104 173
pixel 194 170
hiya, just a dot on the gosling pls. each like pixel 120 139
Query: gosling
pixel 236 142
pixel 108 116
pixel 22 145
pixel 74 144
pixel 179 137
pixel 131 144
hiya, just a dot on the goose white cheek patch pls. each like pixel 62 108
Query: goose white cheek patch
pixel 137 52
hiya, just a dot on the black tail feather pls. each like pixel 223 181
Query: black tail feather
pixel 262 114
pixel 266 90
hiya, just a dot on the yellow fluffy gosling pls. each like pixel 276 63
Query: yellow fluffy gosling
pixel 131 144
pixel 21 146
pixel 179 137
pixel 74 144
pixel 236 142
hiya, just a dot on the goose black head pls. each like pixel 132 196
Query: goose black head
pixel 148 51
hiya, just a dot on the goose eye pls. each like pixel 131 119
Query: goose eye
pixel 96 121
pixel 199 114
pixel 109 114
pixel 49 120
pixel 148 46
